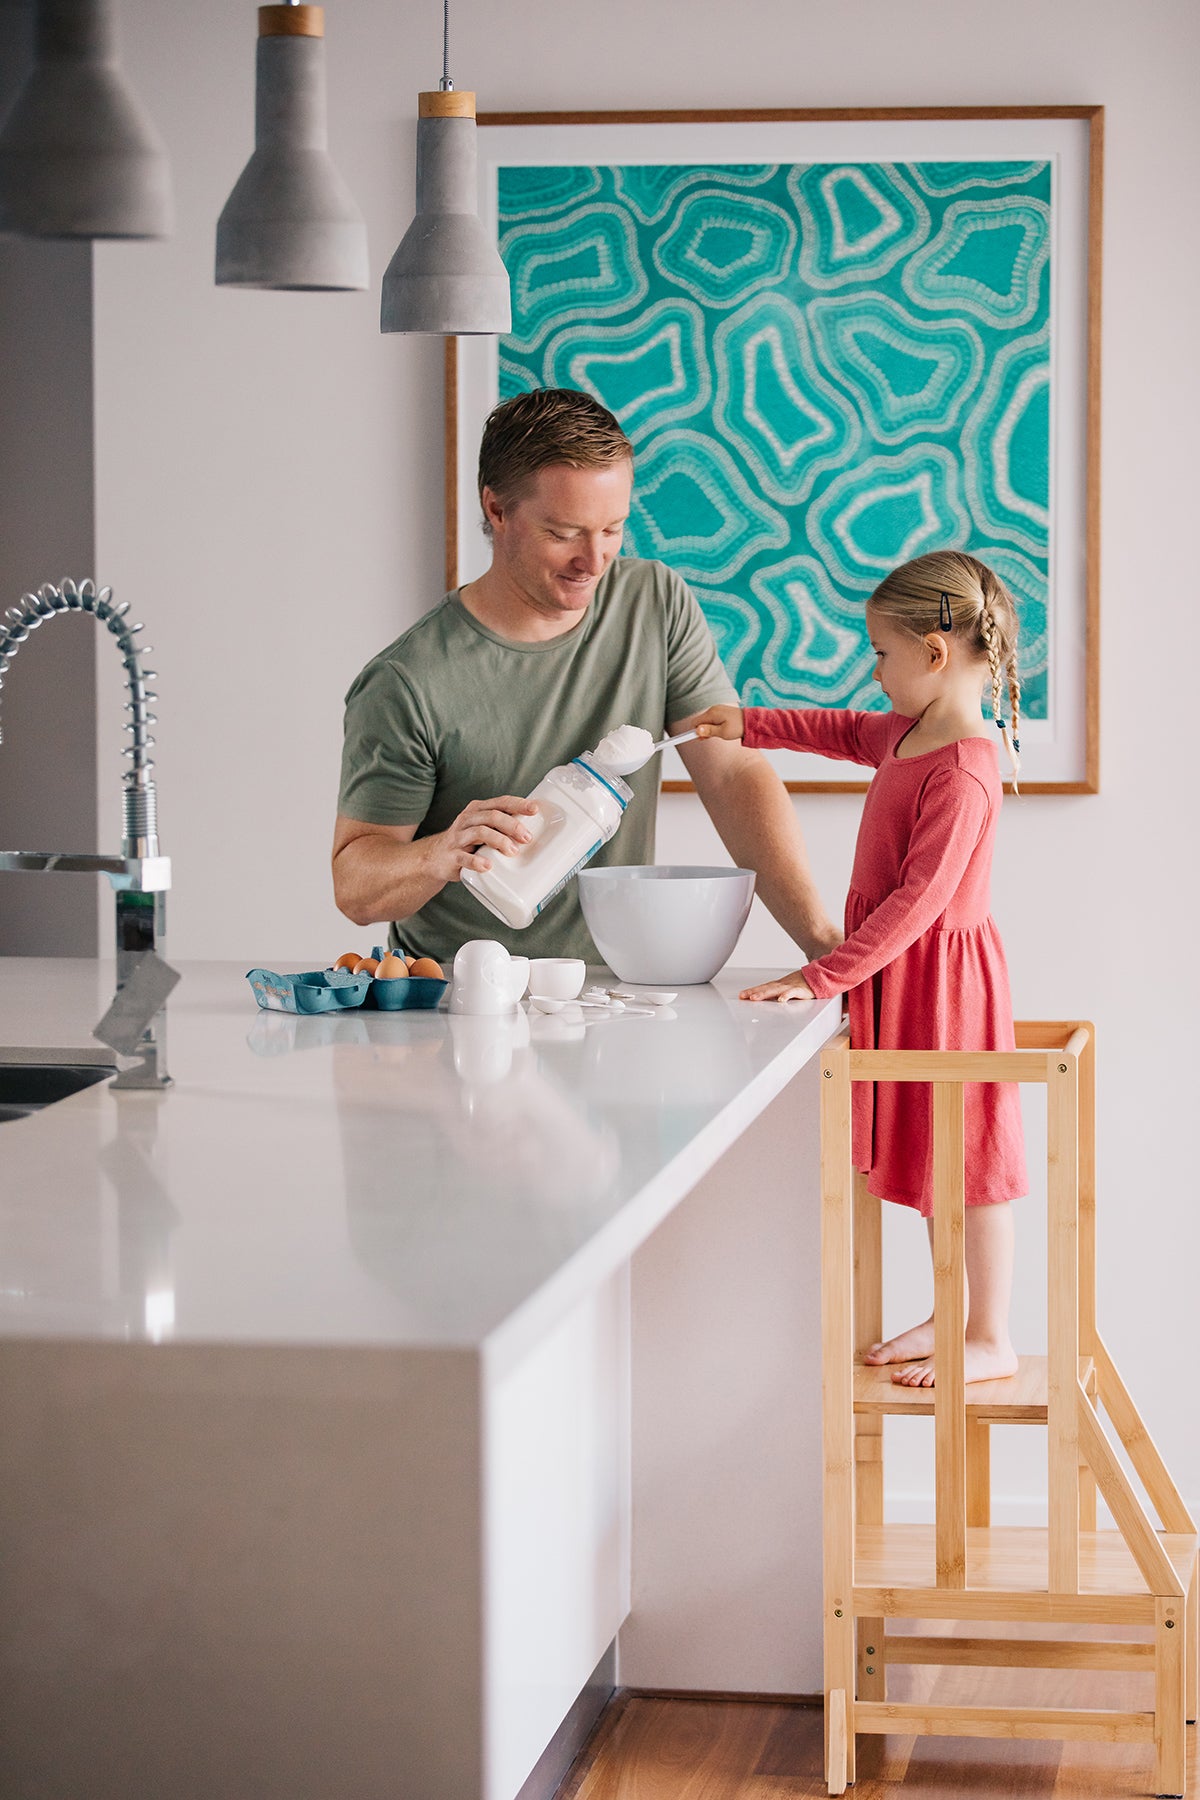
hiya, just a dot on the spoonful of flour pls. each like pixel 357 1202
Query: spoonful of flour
pixel 629 748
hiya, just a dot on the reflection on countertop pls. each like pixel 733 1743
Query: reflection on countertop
pixel 406 1177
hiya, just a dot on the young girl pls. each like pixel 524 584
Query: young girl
pixel 922 959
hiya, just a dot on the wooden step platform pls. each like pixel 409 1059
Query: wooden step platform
pixel 963 1576
pixel 895 1569
pixel 1019 1399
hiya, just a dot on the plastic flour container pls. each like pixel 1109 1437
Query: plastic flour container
pixel 579 807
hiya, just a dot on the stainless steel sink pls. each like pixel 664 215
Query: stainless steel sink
pixel 31 1079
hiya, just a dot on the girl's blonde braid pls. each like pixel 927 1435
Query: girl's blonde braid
pixel 1014 699
pixel 988 632
pixel 991 637
pixel 1014 696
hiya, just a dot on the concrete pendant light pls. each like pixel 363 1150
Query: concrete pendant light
pixel 447 275
pixel 290 221
pixel 78 156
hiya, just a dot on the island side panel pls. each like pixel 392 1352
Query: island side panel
pixel 726 1422
pixel 557 1534
pixel 239 1572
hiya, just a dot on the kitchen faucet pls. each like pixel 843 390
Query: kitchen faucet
pixel 140 876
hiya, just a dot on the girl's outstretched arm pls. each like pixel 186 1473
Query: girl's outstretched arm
pixel 845 736
pixel 857 737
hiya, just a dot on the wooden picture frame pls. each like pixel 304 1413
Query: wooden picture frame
pixel 1042 186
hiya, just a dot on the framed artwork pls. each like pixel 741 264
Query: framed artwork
pixel 836 340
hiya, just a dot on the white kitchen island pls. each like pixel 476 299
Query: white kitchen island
pixel 361 1391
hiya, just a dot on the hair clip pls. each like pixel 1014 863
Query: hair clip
pixel 945 616
pixel 1017 745
pixel 997 721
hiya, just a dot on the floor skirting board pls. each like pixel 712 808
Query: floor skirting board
pixel 733 1698
pixel 556 1761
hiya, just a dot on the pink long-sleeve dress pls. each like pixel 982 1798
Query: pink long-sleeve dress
pixel 922 961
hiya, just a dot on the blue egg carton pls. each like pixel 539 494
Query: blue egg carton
pixel 419 992
pixel 315 991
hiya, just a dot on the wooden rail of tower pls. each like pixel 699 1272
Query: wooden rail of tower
pixel 962 1568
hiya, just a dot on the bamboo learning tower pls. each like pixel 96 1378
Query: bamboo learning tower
pixel 962 1570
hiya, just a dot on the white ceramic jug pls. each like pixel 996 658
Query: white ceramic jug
pixel 487 981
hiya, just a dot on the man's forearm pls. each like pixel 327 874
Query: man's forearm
pixel 388 872
pixel 757 824
pixel 376 881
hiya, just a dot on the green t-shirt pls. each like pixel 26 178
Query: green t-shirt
pixel 451 713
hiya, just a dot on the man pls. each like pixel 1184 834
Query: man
pixel 559 642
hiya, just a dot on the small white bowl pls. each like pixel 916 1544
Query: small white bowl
pixel 556 977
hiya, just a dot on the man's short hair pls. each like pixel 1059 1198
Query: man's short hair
pixel 549 425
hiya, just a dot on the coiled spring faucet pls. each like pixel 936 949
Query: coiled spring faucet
pixel 140 876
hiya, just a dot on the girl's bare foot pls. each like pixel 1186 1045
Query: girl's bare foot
pixel 981 1362
pixel 906 1348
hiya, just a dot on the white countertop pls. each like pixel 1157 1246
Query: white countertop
pixel 404 1179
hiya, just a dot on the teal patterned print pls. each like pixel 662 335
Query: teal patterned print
pixel 824 369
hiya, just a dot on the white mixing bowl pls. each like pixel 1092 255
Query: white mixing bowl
pixel 665 926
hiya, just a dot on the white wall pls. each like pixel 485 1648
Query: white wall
pixel 268 496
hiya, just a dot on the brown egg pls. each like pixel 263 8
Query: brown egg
pixel 408 963
pixel 366 965
pixel 348 961
pixel 426 966
pixel 392 968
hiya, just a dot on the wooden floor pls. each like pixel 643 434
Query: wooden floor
pixel 669 1749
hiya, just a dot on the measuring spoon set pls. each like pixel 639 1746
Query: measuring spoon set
pixel 609 1002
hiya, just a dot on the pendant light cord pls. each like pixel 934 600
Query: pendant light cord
pixel 447 84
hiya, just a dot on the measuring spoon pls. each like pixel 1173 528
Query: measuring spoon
pixel 632 764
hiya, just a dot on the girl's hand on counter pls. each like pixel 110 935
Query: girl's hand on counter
pixel 788 987
pixel 719 722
